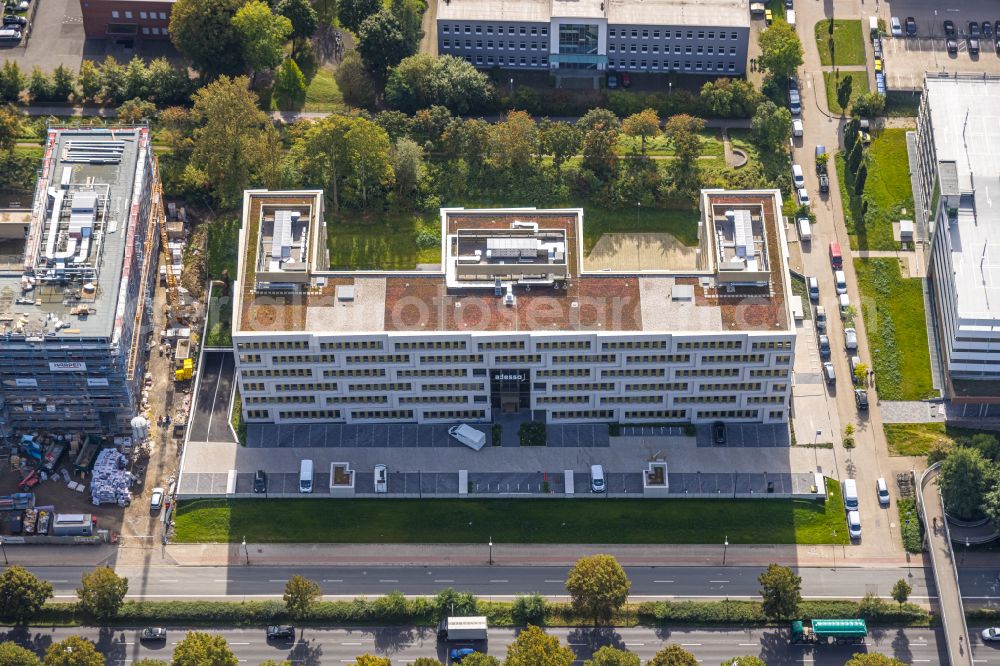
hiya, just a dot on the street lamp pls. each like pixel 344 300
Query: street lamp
pixel 246 550
pixel 491 550
pixel 512 85
pixel 966 549
pixel 725 547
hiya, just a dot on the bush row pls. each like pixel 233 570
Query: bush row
pixel 875 611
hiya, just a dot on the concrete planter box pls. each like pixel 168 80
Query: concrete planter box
pixel 341 479
pixel 655 481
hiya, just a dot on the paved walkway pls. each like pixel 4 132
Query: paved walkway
pixel 912 411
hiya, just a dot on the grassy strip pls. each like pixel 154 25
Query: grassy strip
pixel 912 528
pixel 222 247
pixel 799 288
pixel 859 84
pixel 917 439
pixel 395 610
pixel 220 320
pixel 845 47
pixel 513 521
pixel 236 419
pixel 893 308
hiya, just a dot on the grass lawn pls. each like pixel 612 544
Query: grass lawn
pixel 916 439
pixel 711 145
pixel 859 84
pixel 799 289
pixel 848 42
pixel 322 93
pixel 222 246
pixel 388 241
pixel 218 332
pixel 893 308
pixel 513 521
pixel 887 190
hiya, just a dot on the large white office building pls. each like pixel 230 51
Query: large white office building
pixel 706 37
pixel 512 321
pixel 958 140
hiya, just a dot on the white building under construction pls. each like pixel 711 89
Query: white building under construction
pixel 73 307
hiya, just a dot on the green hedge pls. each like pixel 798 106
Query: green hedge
pixel 910 526
pixel 751 612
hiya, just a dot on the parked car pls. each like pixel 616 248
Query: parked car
pixel 911 26
pixel 997 44
pixel 381 479
pixel 794 102
pixel 803 196
pixel 153 634
pixel 949 28
pixel 820 318
pixel 793 83
pixel 813 285
pixel 861 399
pixel 612 80
pixel 845 302
pixel 973 46
pixel 719 432
pixel 260 481
pixel 829 373
pixel 850 338
pixel 878 64
pixel 882 490
pixel 824 346
pixel 798 176
pixel 973 29
pixel 840 281
pixel 991 634
pixel 458 654
pixel 626 80
pixel 824 184
pixel 280 632
pixel 13 19
pixel 987 29
pixel 895 27
pixel 854 524
pixel 797 127
pixel 156 500
pixel 952 46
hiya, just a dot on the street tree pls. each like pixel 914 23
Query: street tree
pixel 113 81
pixel 561 140
pixel 231 129
pixel 963 477
pixel 599 154
pixel 10 127
pixel 603 117
pixel 63 83
pixel 513 143
pixel 480 659
pixel 381 43
pixel 262 35
pixel 781 590
pixel 12 654
pixel 73 651
pixel 860 373
pixel 746 660
pixel 529 609
pixel 303 18
pixel 901 591
pixel 419 661
pixel 89 80
pixel 609 655
pixel 533 647
pixel 780 50
pixel 199 648
pixel 673 655
pixel 352 13
pixel 371 660
pixel 873 659
pixel 22 595
pixel 598 586
pixel 682 132
pixel 844 89
pixel 991 501
pixel 643 125
pixel 300 595
pixel 12 81
pixel 203 31
pixel 160 662
pixel 771 126
pixel 408 166
pixel 102 591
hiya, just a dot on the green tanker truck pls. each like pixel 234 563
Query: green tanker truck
pixel 829 631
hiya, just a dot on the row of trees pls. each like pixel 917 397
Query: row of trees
pixel 22 594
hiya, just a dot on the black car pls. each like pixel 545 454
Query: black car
pixel 973 29
pixel 260 481
pixel 280 632
pixel 996 28
pixel 949 28
pixel 987 29
pixel 153 634
pixel 719 432
pixel 824 183
pixel 11 19
pixel 861 398
pixel 911 26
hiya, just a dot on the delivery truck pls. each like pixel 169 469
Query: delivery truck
pixel 472 438
pixel 829 631
pixel 462 629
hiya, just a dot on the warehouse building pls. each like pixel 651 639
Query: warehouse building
pixel 957 140
pixel 704 37
pixel 73 309
pixel 512 321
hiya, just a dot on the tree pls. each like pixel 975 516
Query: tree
pixel 612 656
pixel 673 655
pixel 160 662
pixel 352 13
pixel 302 16
pixel 991 501
pixel 901 591
pixel 369 151
pixel 560 140
pixel 272 662
pixel 747 660
pixel 513 143
pixel 479 659
pixel 300 595
pixel 780 50
pixel 423 80
pixel 90 80
pixel 22 595
pixel 452 602
pixel 113 81
pixel 598 586
pixel 167 84
pixel 203 31
pixel 102 591
pixel 135 110
pixel 844 89
pixel 262 35
pixel 682 132
pixel 643 125
pixel 73 651
pixel 381 43
pixel 419 661
pixel 200 648
pixel 355 81
pixel 781 590
pixel 409 13
pixel 62 84
pixel 408 165
pixel 230 132
pixel 530 609
pixel 771 126
pixel 962 479
pixel 12 654
pixel 136 79
pixel 873 659
pixel 533 647
pixel 10 127
pixel 371 660
pixel 39 85
pixel 988 445
pixel 11 81
pixel 289 84
pixel 599 117
pixel 599 155
pixel 869 104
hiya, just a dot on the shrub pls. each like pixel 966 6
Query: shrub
pixel 532 433
pixel 910 525
pixel 530 609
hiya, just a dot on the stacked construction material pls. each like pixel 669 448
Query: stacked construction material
pixel 111 481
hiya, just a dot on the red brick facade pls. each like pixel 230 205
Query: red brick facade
pixel 126 19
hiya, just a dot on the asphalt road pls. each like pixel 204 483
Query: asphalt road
pixel 210 416
pixel 500 581
pixel 404 644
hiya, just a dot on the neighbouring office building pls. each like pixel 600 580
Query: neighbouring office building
pixel 706 37
pixel 513 321
pixel 126 20
pixel 958 137
pixel 74 316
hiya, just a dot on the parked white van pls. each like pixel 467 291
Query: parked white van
pixel 597 484
pixel 381 479
pixel 841 281
pixel 306 476
pixel 805 231
pixel 850 494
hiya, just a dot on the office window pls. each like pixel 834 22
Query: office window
pixel 156 31
pixel 654 64
pixel 644 48
pixel 632 48
pixel 479 60
pixel 545 31
pixel 733 35
pixel 524 45
pixel 489 30
pixel 642 64
pixel 711 50
pixel 524 30
pixel 611 32
pixel 701 34
pixel 645 34
pixel 145 30
pixel 656 48
pixel 510 30
pixel 523 61
pixel 656 34
pixel 732 50
pixel 500 60
pixel 479 29
pixel 677 35
pixel 114 13
pixel 611 48
pixel 445 43
pixel 732 66
pixel 677 48
pixel 690 34
pixel 468 29
pixel 621 63
pixel 545 61
pixel 534 60
pixel 534 32
pixel 687 65
pixel 143 15
pixel 128 14
pixel 511 45
pixel 534 46
pixel 677 64
pixel 163 16
pixel 468 43
pixel 489 60
pixel 444 28
pixel 711 35
pixel 701 49
pixel 697 65
pixel 479 43
pixel 631 64
pixel 688 49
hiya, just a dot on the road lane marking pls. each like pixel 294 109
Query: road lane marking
pixel 748 644
pixel 388 580
pixel 718 581
pixel 222 580
pixel 169 580
pixel 553 581
pixel 690 644
pixel 443 580
pixel 333 580
pixel 352 643
pixel 276 580
pixel 663 581
pixel 634 644
pixel 499 580
pixel 58 581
